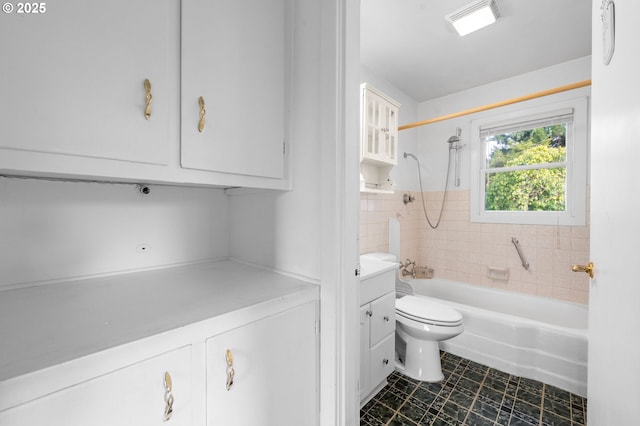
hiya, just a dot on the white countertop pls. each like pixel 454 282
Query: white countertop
pixel 370 267
pixel 46 325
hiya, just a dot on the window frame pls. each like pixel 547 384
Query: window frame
pixel 576 167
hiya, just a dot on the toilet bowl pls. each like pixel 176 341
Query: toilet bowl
pixel 420 324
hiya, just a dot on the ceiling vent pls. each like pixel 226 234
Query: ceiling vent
pixel 474 16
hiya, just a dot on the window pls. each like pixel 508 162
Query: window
pixel 530 167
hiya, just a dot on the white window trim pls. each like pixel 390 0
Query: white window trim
pixel 576 160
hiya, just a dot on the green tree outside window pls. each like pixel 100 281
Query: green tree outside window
pixel 540 188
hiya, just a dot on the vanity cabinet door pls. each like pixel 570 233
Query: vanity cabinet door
pixel 73 82
pixel 382 360
pixel 233 86
pixel 377 344
pixel 383 319
pixel 275 371
pixel 133 395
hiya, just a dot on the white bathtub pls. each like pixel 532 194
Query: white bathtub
pixel 528 336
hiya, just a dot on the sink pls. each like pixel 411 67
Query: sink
pixel 377 277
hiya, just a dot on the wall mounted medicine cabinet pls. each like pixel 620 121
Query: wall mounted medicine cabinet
pixel 379 139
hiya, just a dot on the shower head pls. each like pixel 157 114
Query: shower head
pixel 453 139
pixel 408 154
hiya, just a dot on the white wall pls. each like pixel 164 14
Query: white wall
pixel 53 229
pixel 403 177
pixel 432 145
pixel 311 231
pixel 281 230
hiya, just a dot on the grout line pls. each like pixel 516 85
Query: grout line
pixel 397 412
pixel 475 398
pixel 544 389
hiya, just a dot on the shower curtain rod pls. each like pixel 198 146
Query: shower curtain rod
pixel 498 104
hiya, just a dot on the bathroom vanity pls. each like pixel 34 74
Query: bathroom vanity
pixel 377 325
pixel 207 343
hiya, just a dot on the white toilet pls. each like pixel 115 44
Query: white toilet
pixel 421 323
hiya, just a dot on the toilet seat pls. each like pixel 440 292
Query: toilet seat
pixel 427 311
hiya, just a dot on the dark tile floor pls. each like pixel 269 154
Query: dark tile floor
pixel 474 395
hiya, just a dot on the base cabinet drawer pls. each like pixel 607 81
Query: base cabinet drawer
pixel 265 373
pixel 134 395
pixel 382 359
pixel 383 317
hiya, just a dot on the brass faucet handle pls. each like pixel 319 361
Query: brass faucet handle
pixel 588 269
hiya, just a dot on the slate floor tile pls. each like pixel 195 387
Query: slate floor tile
pixel 472 395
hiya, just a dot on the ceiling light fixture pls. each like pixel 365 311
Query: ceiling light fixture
pixel 474 16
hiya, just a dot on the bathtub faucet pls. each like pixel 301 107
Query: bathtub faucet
pixel 408 268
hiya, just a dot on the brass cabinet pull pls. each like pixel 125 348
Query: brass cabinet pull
pixel 203 112
pixel 584 268
pixel 168 397
pixel 230 371
pixel 149 99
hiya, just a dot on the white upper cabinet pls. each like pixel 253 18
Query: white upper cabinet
pixel 233 86
pixel 73 80
pixel 379 127
pixel 379 140
pixel 74 99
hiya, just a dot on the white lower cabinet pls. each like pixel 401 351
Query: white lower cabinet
pixel 377 344
pixel 147 360
pixel 134 395
pixel 275 375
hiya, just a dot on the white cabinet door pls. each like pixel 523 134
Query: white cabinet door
pixel 379 128
pixel 382 360
pixel 275 379
pixel 377 343
pixel 73 80
pixel 134 395
pixel 383 320
pixel 233 57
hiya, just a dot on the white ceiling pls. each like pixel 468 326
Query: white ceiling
pixel 410 44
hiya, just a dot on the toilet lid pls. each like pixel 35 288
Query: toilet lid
pixel 426 309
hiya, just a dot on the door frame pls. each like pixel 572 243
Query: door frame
pixel 339 289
